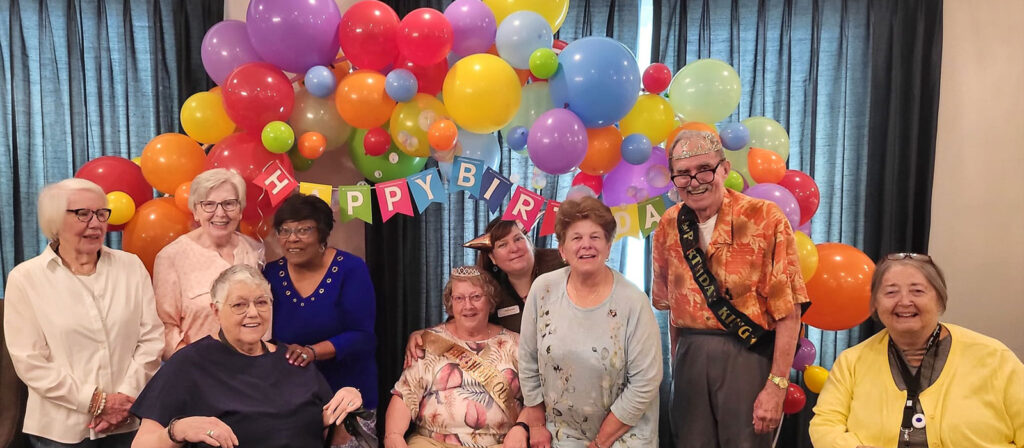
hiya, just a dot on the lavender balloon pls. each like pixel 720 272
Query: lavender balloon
pixel 781 197
pixel 629 184
pixel 225 47
pixel 805 354
pixel 294 35
pixel 557 142
pixel 473 26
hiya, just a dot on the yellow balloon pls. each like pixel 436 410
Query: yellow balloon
pixel 808 253
pixel 203 118
pixel 137 160
pixel 651 116
pixel 814 378
pixel 122 207
pixel 482 93
pixel 411 120
pixel 553 11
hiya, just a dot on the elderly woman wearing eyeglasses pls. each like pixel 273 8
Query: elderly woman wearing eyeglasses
pixel 185 269
pixel 920 382
pixel 80 325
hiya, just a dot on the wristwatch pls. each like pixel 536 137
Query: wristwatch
pixel 782 382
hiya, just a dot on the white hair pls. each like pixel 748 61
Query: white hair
pixel 239 273
pixel 53 203
pixel 210 179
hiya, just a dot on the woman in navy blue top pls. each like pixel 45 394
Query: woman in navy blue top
pixel 324 305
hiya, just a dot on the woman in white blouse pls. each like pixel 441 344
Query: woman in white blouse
pixel 185 269
pixel 80 325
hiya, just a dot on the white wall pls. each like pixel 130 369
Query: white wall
pixel 977 232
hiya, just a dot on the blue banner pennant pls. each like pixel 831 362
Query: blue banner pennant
pixel 466 175
pixel 426 188
pixel 493 189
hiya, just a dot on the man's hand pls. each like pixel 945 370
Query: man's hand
pixel 768 408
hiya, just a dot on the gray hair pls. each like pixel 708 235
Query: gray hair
pixel 928 269
pixel 52 204
pixel 239 273
pixel 210 179
pixel 475 277
pixel 695 143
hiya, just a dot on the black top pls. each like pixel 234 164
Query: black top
pixel 509 312
pixel 266 401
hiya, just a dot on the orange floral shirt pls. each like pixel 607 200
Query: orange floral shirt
pixel 752 254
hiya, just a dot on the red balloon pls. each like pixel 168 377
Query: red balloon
pixel 368 32
pixel 429 78
pixel 840 290
pixel 558 45
pixel 376 142
pixel 155 225
pixel 795 399
pixel 657 77
pixel 114 173
pixel 244 153
pixel 257 93
pixel 595 183
pixel 425 36
pixel 805 190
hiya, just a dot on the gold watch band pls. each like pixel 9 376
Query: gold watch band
pixel 781 382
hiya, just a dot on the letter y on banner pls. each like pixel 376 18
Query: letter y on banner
pixel 427 189
pixel 524 207
pixel 394 198
pixel 277 183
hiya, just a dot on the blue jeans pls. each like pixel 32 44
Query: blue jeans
pixel 123 440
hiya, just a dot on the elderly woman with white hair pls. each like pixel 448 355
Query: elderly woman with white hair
pixel 234 389
pixel 184 269
pixel 80 325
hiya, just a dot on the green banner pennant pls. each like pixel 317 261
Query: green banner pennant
pixel 650 212
pixel 354 202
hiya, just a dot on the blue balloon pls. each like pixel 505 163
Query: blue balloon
pixel 597 79
pixel 636 149
pixel 319 81
pixel 480 146
pixel 401 85
pixel 735 136
pixel 519 35
pixel 516 138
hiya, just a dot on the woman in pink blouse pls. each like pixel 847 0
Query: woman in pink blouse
pixel 185 269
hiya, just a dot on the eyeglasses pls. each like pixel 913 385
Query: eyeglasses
pixel 85 214
pixel 229 205
pixel 904 255
pixel 703 176
pixel 261 303
pixel 301 232
pixel 475 298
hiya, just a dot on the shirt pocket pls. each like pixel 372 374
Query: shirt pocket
pixel 195 301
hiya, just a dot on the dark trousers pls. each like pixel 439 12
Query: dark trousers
pixel 123 440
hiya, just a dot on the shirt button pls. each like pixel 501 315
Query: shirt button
pixel 707 318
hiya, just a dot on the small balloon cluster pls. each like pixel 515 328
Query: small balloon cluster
pixel 814 377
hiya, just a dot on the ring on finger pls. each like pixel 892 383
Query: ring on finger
pixel 304 356
pixel 209 432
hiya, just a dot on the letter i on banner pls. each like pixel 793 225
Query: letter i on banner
pixel 650 212
pixel 277 183
pixel 427 189
pixel 394 198
pixel 626 221
pixel 319 190
pixel 466 175
pixel 354 202
pixel 547 226
pixel 524 207
pixel 493 189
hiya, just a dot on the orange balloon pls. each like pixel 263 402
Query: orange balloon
pixel 442 135
pixel 766 167
pixel 170 159
pixel 840 290
pixel 362 101
pixel 155 225
pixel 257 231
pixel 524 75
pixel 215 89
pixel 181 196
pixel 698 126
pixel 672 136
pixel 312 145
pixel 604 150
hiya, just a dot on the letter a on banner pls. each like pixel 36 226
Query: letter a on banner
pixel 466 175
pixel 276 182
pixel 319 190
pixel 650 212
pixel 547 226
pixel 524 207
pixel 427 189
pixel 626 221
pixel 354 202
pixel 394 198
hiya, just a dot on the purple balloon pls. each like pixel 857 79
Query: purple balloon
pixel 629 184
pixel 294 35
pixel 225 47
pixel 557 141
pixel 473 26
pixel 781 197
pixel 806 228
pixel 805 354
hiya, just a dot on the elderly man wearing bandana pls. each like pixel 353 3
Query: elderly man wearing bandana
pixel 726 267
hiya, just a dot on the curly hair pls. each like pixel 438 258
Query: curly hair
pixel 475 277
pixel 576 210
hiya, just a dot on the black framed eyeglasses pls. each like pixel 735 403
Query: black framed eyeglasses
pixel 702 177
pixel 905 255
pixel 86 214
pixel 229 205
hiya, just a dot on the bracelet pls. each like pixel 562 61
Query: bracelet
pixel 524 426
pixel 103 404
pixel 94 402
pixel 312 350
pixel 170 431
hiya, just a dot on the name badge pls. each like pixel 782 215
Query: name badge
pixel 508 311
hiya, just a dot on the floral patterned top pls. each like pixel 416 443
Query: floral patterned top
pixel 450 405
pixel 752 255
pixel 583 363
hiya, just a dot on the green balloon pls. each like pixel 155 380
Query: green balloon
pixel 536 99
pixel 734 181
pixel 768 134
pixel 298 162
pixel 705 90
pixel 393 164
pixel 278 137
pixel 738 161
pixel 543 63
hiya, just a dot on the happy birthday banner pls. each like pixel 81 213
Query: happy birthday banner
pixel 470 175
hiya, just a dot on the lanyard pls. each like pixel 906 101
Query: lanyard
pixel 911 419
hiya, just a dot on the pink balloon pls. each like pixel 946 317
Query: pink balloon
pixel 473 26
pixel 368 35
pixel 425 36
pixel 781 197
pixel 557 142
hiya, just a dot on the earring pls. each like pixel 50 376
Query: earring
pixel 323 247
pixel 494 268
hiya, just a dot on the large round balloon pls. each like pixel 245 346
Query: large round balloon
pixel 479 146
pixel 313 114
pixel 294 36
pixel 705 90
pixel 154 225
pixel 411 120
pixel 244 153
pixel 557 142
pixel 840 290
pixel 473 26
pixel 766 167
pixel 519 35
pixel 553 11
pixel 256 94
pixel 536 99
pixel 429 78
pixel 393 164
pixel 114 173
pixel 768 134
pixel 651 116
pixel 806 192
pixel 425 36
pixel 368 33
pixel 362 100
pixel 203 118
pixel 170 159
pixel 597 79
pixel 225 47
pixel 482 93
pixel 781 197
pixel 604 151
pixel 629 184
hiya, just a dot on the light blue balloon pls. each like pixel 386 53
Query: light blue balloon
pixel 319 81
pixel 401 85
pixel 517 138
pixel 636 149
pixel 519 35
pixel 480 146
pixel 597 79
pixel 734 136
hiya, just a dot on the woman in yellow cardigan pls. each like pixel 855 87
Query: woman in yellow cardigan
pixel 919 383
